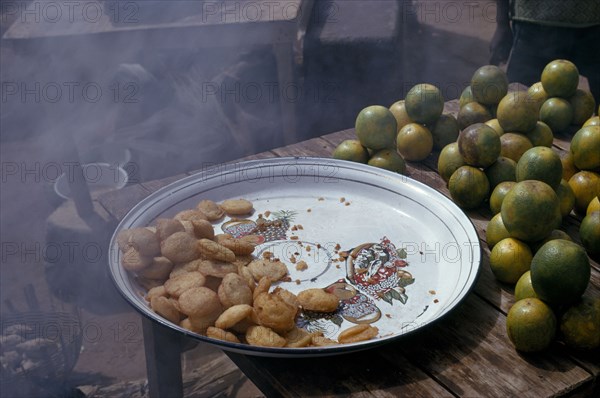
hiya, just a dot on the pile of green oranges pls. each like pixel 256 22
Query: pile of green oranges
pixel 408 130
pixel 499 151
pixel 523 123
pixel 509 160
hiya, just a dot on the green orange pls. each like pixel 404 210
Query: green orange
pixel 586 186
pixel 493 123
pixel 593 206
pixel 398 109
pixel 523 288
pixel 530 210
pixel 585 147
pixel 424 103
pixel 388 159
pixel 541 135
pixel 468 187
pixel 566 197
pixel 495 231
pixel 537 93
pixel 503 169
pixel 542 164
pixel 351 150
pixel 489 84
pixel 472 113
pixel 449 161
pixel 444 131
pixel 583 105
pixel 569 168
pixel 560 271
pixel 509 259
pixel 593 121
pixel 580 324
pixel 517 112
pixel 465 97
pixel 498 195
pixel 514 145
pixel 560 78
pixel 589 232
pixel 376 127
pixel 479 145
pixel 557 113
pixel 414 142
pixel 531 325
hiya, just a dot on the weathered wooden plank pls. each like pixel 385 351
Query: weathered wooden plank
pixel 336 138
pixel 313 147
pixel 206 167
pixel 119 202
pixel 470 353
pixel 155 185
pixel 588 360
pixel 500 295
pixel 560 146
pixel 381 372
pixel 452 107
pixel 258 156
pixel 216 376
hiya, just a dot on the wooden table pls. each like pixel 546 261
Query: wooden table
pixel 465 354
pixel 122 30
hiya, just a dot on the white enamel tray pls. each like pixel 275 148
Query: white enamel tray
pixel 414 255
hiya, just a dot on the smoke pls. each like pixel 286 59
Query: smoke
pixel 102 72
pixel 93 81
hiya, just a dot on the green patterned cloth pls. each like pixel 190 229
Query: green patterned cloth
pixel 568 13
